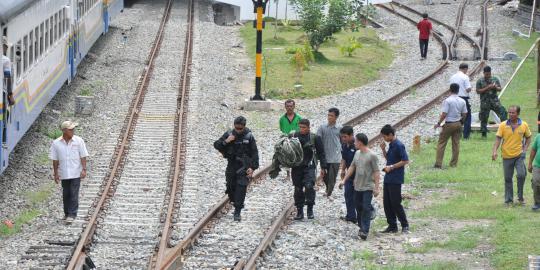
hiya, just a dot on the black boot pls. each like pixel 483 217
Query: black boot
pixel 310 212
pixel 237 214
pixel 299 213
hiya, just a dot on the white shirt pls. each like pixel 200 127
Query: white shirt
pixel 454 106
pixel 6 64
pixel 463 81
pixel 69 156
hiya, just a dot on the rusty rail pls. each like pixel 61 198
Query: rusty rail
pixel 79 255
pixel 157 260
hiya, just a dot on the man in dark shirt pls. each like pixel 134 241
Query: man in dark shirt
pixel 238 146
pixel 424 27
pixel 396 158
pixel 303 175
pixel 347 155
pixel 488 87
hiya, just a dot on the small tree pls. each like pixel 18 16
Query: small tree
pixel 350 47
pixel 318 24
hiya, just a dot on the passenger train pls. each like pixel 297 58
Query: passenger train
pixel 47 40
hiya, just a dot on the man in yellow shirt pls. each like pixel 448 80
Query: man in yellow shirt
pixel 515 136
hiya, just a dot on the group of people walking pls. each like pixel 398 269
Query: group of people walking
pixel 334 147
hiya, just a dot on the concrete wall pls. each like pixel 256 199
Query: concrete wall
pixel 246 8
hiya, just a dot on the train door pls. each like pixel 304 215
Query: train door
pixel 74 40
pixel 105 16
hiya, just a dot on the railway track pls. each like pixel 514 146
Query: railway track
pixel 124 226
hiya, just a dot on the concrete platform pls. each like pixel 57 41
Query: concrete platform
pixel 258 105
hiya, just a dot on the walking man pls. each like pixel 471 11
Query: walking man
pixel 515 136
pixel 330 135
pixel 396 159
pixel 68 154
pixel 454 110
pixel 365 169
pixel 488 87
pixel 303 175
pixel 348 149
pixel 463 81
pixel 289 122
pixel 424 27
pixel 534 168
pixel 238 146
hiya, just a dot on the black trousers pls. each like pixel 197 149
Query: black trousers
pixel 423 47
pixel 304 182
pixel 70 196
pixel 468 121
pixel 363 208
pixel 392 206
pixel 236 188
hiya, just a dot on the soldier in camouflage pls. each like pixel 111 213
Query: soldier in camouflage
pixel 488 87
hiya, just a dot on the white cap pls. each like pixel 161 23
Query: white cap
pixel 69 125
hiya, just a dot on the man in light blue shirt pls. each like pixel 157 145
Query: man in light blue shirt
pixel 330 135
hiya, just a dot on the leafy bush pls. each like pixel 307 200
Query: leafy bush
pixel 350 47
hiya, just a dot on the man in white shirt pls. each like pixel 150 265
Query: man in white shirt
pixel 462 79
pixel 68 154
pixel 6 69
pixel 454 110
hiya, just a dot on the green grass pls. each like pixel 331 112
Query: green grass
pixel 434 266
pixel 514 232
pixel 522 90
pixel 34 198
pixel 52 133
pixel 42 158
pixel 464 240
pixel 331 73
pixel 24 218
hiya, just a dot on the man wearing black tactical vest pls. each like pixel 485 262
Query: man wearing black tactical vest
pixel 303 176
pixel 238 146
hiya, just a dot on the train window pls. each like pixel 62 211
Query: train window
pixel 25 53
pixel 51 32
pixel 41 44
pixel 55 27
pixel 31 48
pixel 18 59
pixel 62 21
pixel 36 43
pixel 46 34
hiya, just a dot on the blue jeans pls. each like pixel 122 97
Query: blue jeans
pixel 363 209
pixel 349 200
pixel 468 120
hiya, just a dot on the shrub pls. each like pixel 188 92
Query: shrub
pixel 350 47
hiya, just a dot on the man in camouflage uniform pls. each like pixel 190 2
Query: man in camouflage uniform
pixel 488 87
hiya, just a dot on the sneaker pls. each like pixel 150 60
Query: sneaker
pixel 362 235
pixel 69 220
pixel 405 230
pixel 346 219
pixel 390 230
pixel 536 207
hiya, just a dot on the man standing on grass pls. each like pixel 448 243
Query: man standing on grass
pixel 424 28
pixel 462 80
pixel 488 87
pixel 330 135
pixel 515 136
pixel 68 154
pixel 365 169
pixel 348 149
pixel 454 110
pixel 289 122
pixel 534 168
pixel 396 159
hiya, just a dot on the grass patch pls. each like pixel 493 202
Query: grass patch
pixel 434 266
pixel 331 73
pixel 52 133
pixel 34 198
pixel 24 218
pixel 522 90
pixel 464 240
pixel 514 233
pixel 42 158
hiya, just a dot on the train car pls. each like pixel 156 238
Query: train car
pixel 47 40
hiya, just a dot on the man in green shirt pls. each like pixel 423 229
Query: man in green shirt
pixel 534 168
pixel 488 87
pixel 289 121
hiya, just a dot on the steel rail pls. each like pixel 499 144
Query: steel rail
pixel 178 156
pixel 79 255
pixel 250 263
pixel 454 29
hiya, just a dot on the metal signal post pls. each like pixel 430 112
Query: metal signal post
pixel 259 9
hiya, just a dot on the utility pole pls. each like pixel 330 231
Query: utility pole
pixel 259 9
